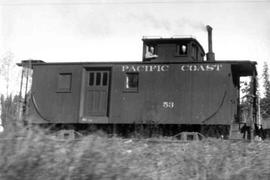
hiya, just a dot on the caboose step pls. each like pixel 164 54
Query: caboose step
pixel 235 132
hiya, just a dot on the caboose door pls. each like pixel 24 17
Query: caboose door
pixel 95 96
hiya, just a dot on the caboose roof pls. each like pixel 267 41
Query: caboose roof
pixel 241 68
pixel 171 40
pixel 244 68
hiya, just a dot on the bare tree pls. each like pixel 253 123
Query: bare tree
pixel 6 65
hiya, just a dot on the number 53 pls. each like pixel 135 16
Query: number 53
pixel 168 104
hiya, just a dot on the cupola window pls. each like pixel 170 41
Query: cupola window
pixel 151 52
pixel 181 49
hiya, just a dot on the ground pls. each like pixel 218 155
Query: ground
pixel 33 155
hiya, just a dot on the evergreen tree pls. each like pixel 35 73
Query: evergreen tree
pixel 247 92
pixel 265 101
pixel 247 99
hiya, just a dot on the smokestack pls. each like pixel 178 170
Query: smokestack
pixel 210 56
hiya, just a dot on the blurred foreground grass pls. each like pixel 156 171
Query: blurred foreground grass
pixel 43 157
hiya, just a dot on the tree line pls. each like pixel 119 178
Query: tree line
pixel 265 99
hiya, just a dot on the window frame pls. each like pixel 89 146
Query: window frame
pixel 98 79
pixel 178 47
pixel 131 89
pixel 64 90
pixel 147 48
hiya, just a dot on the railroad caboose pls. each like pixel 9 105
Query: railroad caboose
pixel 173 89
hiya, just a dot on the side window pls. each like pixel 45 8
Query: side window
pixel 132 82
pixel 150 52
pixel 181 49
pixel 64 82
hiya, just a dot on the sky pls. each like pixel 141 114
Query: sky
pixel 111 30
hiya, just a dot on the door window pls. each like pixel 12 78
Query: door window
pixel 98 78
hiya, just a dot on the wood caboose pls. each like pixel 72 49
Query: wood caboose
pixel 172 89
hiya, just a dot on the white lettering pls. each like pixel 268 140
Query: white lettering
pixel 202 67
pixel 219 66
pixel 183 67
pixel 140 68
pixel 125 68
pixel 145 68
pixel 151 68
pixel 133 69
pixel 164 68
pixel 168 104
pixel 209 67
pixel 154 68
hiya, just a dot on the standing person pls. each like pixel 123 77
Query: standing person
pixel 256 130
pixel 244 130
pixel 261 132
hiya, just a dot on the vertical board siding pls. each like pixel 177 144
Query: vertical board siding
pixel 57 107
pixel 196 95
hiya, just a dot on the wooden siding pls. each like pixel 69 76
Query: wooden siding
pixel 168 96
pixel 196 96
pixel 55 106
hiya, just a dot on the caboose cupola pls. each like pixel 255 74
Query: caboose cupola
pixel 172 50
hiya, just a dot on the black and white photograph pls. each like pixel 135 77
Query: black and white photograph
pixel 134 89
